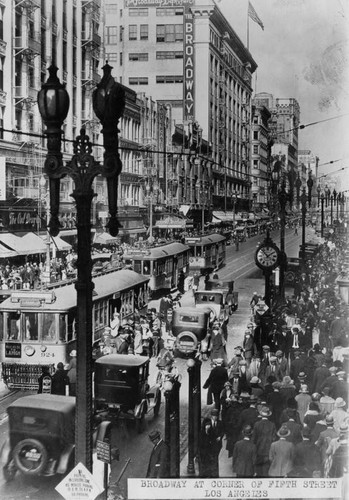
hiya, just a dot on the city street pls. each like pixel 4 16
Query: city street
pixel 240 266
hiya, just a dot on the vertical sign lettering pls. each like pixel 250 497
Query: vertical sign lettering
pixel 188 91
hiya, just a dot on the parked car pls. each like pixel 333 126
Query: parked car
pixel 190 328
pixel 41 438
pixel 231 298
pixel 121 388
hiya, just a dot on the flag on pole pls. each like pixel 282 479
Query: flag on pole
pixel 254 16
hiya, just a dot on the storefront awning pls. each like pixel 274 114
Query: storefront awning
pixel 5 252
pixel 60 244
pixel 224 216
pixel 104 238
pixel 171 223
pixel 31 243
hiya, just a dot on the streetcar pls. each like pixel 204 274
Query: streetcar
pixel 38 327
pixel 207 253
pixel 162 264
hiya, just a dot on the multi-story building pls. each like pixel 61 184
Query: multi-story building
pixel 189 59
pixel 260 154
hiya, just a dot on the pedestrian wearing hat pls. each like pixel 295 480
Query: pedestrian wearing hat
pixel 340 459
pixel 254 368
pixel 234 363
pixel 287 389
pixel 115 324
pixel 275 403
pixel 320 375
pixel 325 438
pixel 264 433
pixel 250 415
pixel 269 371
pixel 281 454
pixel 217 345
pixel 226 398
pixel 249 347
pixel 326 403
pixel 312 415
pixel 291 405
pixel 339 413
pixel 307 456
pixel 256 388
pixel 244 455
pixel 297 365
pixel 217 435
pixel 331 380
pixel 294 427
pixel 340 388
pixel 333 446
pixel 60 381
pixel 281 366
pixel 71 373
pixel 159 458
pixel 215 382
pixel 265 362
pixel 303 400
pixel 207 460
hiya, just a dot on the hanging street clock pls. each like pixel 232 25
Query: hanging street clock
pixel 268 255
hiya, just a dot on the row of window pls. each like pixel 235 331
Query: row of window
pixel 164 33
pixel 143 80
pixel 144 56
pixel 163 11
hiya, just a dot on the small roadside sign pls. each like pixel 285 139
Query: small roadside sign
pixel 103 451
pixel 261 307
pixel 79 484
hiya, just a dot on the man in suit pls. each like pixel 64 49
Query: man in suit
pixel 159 458
pixel 217 433
pixel 281 366
pixel 264 433
pixel 244 455
pixel 216 380
pixel 307 458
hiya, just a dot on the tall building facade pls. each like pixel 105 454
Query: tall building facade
pixel 189 59
pixel 261 143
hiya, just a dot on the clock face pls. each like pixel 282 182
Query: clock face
pixel 267 256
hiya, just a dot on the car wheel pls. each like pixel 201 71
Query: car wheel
pixel 9 471
pixel 157 405
pixel 30 456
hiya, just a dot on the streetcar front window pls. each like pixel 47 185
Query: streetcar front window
pixel 13 326
pixel 30 326
pixel 146 267
pixel 49 327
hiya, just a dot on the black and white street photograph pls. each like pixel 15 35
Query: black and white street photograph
pixel 174 249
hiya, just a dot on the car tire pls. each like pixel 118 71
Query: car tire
pixel 29 445
pixel 9 470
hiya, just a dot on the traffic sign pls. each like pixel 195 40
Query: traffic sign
pixel 79 484
pixel 103 451
pixel 261 307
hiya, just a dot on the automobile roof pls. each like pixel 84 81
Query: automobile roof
pixel 188 310
pixel 122 360
pixel 61 404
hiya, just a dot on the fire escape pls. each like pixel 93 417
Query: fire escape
pixel 90 46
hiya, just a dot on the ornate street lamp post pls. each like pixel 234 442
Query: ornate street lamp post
pixel 108 103
pixel 322 214
pixel 172 435
pixel 304 199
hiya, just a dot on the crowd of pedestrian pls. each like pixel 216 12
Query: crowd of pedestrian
pixel 282 398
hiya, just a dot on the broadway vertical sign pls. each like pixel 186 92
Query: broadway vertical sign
pixel 188 91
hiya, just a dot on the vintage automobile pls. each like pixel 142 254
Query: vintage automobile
pixel 190 328
pixel 41 436
pixel 212 300
pixel 231 298
pixel 121 388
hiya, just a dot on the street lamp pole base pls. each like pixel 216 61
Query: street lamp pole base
pixel 191 468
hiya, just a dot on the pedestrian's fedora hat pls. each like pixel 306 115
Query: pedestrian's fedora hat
pixel 276 385
pixel 154 435
pixel 266 348
pixel 255 380
pixel 339 403
pixel 304 389
pixel 283 431
pixel 279 353
pixel 333 369
pixel 73 353
pixel 329 420
pixel 247 332
pixel 343 429
pixel 247 430
pixel 227 384
pixel 296 328
pixel 302 375
pixel 341 373
pixel 244 395
pixel 253 398
pixel 272 359
pixel 265 411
